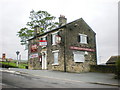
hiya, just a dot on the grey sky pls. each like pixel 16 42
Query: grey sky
pixel 101 16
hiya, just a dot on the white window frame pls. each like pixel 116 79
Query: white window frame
pixel 54 38
pixel 55 62
pixel 83 38
pixel 79 56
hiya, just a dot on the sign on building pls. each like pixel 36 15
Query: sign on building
pixel 34 48
pixel 82 49
pixel 42 42
pixel 34 55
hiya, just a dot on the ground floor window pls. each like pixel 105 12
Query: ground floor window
pixel 79 56
pixel 55 54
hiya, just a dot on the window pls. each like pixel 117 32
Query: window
pixel 54 38
pixel 79 56
pixel 55 54
pixel 83 38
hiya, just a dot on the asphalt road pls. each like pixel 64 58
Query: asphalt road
pixel 10 80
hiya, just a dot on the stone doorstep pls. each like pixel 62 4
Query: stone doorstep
pixel 24 73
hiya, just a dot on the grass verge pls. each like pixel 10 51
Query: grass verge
pixel 13 64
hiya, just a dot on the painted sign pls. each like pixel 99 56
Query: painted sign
pixel 34 48
pixel 82 49
pixel 42 42
pixel 34 55
pixel 3 56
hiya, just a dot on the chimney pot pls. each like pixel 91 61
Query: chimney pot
pixel 62 20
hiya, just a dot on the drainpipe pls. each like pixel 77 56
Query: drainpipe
pixel 64 50
pixel 62 22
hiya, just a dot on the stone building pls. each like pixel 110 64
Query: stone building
pixel 71 47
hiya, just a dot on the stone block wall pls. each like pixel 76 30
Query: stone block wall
pixel 50 57
pixel 69 35
pixel 103 68
pixel 72 31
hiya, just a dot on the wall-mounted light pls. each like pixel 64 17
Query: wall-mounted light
pixel 86 53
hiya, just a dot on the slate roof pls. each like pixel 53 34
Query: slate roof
pixel 80 19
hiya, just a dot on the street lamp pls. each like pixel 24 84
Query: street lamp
pixel 17 52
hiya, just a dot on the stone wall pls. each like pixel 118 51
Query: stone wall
pixel 72 32
pixel 34 63
pixel 103 68
pixel 69 35
pixel 50 57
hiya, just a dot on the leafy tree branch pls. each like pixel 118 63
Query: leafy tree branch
pixel 43 19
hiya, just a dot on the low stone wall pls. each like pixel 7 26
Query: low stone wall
pixel 103 68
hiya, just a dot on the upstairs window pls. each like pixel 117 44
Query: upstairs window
pixel 43 38
pixel 82 38
pixel 53 38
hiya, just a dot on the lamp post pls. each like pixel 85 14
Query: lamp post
pixel 17 52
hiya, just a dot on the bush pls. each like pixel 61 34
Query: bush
pixel 118 67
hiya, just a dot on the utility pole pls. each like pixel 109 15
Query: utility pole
pixel 64 50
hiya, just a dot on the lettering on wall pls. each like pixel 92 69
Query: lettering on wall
pixel 82 49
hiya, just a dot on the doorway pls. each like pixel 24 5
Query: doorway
pixel 44 60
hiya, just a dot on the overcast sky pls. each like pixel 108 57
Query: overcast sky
pixel 101 16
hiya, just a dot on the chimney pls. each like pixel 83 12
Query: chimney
pixel 62 20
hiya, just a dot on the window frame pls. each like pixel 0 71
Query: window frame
pixel 83 38
pixel 54 38
pixel 56 51
pixel 80 53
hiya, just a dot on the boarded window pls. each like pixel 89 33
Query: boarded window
pixel 55 54
pixel 79 56
pixel 55 57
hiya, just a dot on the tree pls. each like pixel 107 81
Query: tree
pixel 43 19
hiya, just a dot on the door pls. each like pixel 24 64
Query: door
pixel 44 60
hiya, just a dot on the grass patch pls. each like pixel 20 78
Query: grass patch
pixel 13 64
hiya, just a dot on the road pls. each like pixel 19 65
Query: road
pixel 10 80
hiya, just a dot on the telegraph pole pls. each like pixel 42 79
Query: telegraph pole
pixel 65 50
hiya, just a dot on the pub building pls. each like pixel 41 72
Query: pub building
pixel 71 47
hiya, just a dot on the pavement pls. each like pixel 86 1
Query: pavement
pixel 88 77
